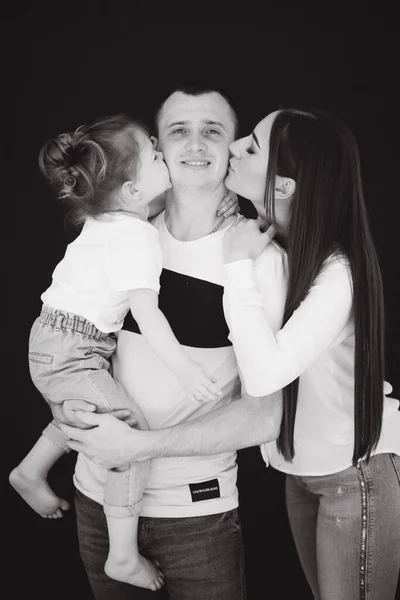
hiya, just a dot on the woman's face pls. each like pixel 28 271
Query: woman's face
pixel 247 173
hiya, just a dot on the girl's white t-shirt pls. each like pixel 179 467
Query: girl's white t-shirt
pixel 113 254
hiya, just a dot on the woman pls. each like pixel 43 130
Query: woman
pixel 339 441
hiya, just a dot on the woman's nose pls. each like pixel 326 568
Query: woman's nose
pixel 234 149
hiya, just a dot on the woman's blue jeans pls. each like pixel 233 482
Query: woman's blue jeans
pixel 346 528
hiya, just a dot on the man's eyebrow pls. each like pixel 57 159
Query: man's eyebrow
pixel 205 121
pixel 256 140
pixel 174 123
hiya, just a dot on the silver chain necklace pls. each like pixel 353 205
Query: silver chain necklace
pixel 218 225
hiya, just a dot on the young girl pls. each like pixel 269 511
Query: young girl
pixel 339 441
pixel 108 173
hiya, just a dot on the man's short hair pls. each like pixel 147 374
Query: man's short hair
pixel 195 89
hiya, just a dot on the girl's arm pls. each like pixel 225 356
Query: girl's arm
pixel 153 325
pixel 156 206
pixel 270 361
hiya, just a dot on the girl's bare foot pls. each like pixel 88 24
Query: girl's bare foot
pixel 37 493
pixel 136 570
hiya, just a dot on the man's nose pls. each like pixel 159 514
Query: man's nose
pixel 196 143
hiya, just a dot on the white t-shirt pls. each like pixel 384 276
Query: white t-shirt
pixel 191 299
pixel 317 344
pixel 113 254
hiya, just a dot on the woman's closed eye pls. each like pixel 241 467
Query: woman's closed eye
pixel 249 150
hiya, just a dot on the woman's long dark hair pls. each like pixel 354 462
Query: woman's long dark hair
pixel 328 215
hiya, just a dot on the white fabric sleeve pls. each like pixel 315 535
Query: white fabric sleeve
pixel 134 260
pixel 270 361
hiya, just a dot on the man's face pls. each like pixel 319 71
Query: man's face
pixel 194 136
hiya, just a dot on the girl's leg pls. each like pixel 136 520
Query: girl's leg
pixel 123 494
pixel 124 562
pixel 93 546
pixel 302 508
pixel 29 479
pixel 358 532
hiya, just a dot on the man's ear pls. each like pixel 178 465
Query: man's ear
pixel 154 141
pixel 130 192
pixel 284 187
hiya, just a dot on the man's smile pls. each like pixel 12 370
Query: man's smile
pixel 196 164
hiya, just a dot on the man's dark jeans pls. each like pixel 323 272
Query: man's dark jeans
pixel 201 557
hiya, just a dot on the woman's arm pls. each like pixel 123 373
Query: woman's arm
pixel 269 361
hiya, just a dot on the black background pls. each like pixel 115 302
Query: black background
pixel 67 65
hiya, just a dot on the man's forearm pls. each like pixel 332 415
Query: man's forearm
pixel 243 423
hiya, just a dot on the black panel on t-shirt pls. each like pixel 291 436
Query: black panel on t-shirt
pixel 193 308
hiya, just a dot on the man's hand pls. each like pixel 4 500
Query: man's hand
pixel 246 239
pixel 109 442
pixel 67 412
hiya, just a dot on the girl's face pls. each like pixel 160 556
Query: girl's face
pixel 152 177
pixel 247 173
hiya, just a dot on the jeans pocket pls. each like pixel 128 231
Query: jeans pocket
pixel 232 518
pixel 41 358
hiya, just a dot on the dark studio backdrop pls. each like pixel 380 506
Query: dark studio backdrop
pixel 69 70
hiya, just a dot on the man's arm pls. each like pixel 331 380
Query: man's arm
pixel 243 423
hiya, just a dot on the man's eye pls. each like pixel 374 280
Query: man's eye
pixel 249 150
pixel 178 131
pixel 212 132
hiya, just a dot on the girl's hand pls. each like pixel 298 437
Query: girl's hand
pixel 246 239
pixel 199 384
pixel 228 206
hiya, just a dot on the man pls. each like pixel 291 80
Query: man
pixel 189 522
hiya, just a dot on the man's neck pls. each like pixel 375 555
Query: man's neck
pixel 192 213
